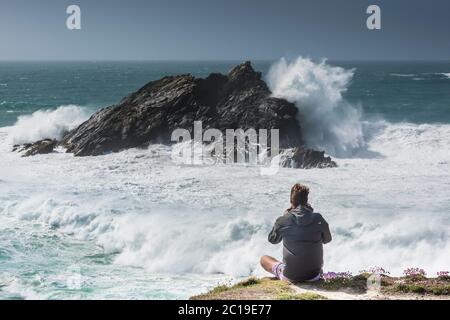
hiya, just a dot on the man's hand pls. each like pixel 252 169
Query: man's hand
pixel 288 210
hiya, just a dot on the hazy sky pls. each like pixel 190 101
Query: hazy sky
pixel 224 29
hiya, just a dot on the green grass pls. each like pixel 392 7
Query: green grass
pixel 249 282
pixel 268 288
pixel 440 291
pixel 219 289
pixel 301 296
pixel 415 278
pixel 420 288
pixel 251 288
pixel 444 278
pixel 243 284
pixel 357 283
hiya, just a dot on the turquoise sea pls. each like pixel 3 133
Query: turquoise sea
pixel 415 92
pixel 134 225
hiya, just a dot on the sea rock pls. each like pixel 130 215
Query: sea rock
pixel 238 100
pixel 304 158
pixel 39 147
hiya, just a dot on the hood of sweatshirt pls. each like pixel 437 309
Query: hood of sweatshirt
pixel 303 215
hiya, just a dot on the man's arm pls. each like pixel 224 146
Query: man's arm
pixel 275 235
pixel 326 234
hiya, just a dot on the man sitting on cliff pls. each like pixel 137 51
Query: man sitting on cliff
pixel 303 232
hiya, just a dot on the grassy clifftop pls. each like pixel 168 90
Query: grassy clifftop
pixel 257 289
pixel 363 286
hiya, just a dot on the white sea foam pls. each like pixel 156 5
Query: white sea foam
pixel 403 75
pixel 447 75
pixel 328 121
pixel 46 124
pixel 177 219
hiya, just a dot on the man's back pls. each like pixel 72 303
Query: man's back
pixel 303 233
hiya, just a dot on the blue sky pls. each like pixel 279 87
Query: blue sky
pixel 224 30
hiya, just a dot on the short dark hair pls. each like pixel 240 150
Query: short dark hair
pixel 299 195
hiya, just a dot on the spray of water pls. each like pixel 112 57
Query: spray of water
pixel 46 124
pixel 328 121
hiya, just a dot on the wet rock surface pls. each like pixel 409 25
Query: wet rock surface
pixel 39 147
pixel 238 100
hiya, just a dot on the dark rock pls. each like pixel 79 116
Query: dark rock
pixel 239 100
pixel 39 147
pixel 304 158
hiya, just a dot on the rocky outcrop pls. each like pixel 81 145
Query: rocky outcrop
pixel 238 100
pixel 39 147
pixel 304 158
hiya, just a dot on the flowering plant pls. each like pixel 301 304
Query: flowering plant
pixel 375 270
pixel 337 275
pixel 411 272
pixel 443 274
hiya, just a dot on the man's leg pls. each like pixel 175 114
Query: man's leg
pixel 268 262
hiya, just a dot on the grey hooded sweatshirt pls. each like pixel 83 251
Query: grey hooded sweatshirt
pixel 303 232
